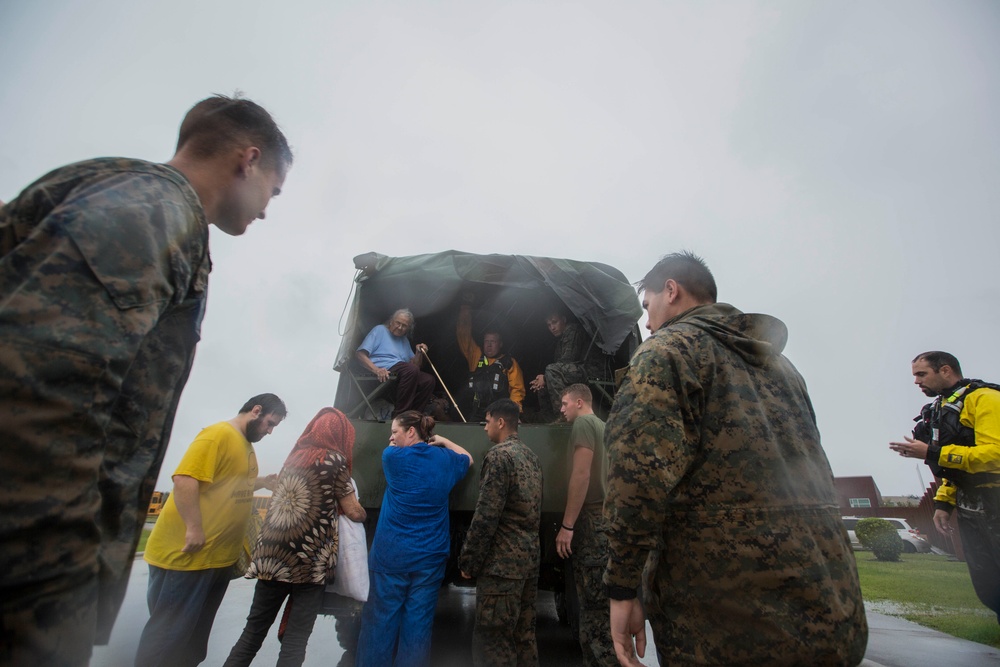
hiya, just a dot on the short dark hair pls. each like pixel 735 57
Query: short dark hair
pixel 687 270
pixel 505 409
pixel 269 405
pixel 218 123
pixel 418 420
pixel 936 359
pixel 579 390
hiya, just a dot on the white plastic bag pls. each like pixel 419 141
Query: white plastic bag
pixel 351 576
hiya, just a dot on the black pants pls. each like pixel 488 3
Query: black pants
pixel 305 601
pixel 980 532
pixel 414 388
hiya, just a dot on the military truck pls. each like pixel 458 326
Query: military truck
pixel 514 293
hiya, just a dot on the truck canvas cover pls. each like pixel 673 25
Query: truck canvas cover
pixel 517 289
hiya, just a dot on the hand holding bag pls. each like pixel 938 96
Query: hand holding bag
pixel 351 576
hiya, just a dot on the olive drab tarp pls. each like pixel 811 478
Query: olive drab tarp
pixel 598 295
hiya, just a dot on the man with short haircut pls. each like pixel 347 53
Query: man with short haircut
pixel 570 364
pixel 501 546
pixel 386 349
pixel 584 531
pixel 103 275
pixel 493 374
pixel 958 436
pixel 199 534
pixel 719 489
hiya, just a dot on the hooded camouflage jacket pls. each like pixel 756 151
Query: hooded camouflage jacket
pixel 718 477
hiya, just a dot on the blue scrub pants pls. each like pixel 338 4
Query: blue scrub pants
pixel 398 618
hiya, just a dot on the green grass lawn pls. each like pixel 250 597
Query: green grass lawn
pixel 142 540
pixel 929 590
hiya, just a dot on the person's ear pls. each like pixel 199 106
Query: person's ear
pixel 672 290
pixel 250 158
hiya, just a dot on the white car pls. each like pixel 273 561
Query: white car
pixel 913 541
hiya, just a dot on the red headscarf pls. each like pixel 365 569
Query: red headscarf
pixel 329 430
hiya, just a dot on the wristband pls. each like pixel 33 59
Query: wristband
pixel 569 528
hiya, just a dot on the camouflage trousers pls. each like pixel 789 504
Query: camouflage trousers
pixel 590 556
pixel 505 622
pixel 560 375
pixel 51 625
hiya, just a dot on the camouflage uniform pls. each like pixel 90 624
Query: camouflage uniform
pixel 569 366
pixel 717 476
pixel 103 275
pixel 501 549
pixel 590 555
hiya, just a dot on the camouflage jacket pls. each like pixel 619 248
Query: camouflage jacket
pixel 574 346
pixel 571 345
pixel 103 276
pixel 719 487
pixel 503 538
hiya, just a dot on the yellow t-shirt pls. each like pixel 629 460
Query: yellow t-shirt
pixel 225 464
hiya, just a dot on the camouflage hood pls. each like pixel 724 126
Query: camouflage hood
pixel 756 338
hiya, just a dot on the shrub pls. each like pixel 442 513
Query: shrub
pixel 887 546
pixel 881 537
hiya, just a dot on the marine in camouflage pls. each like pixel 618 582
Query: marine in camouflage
pixel 717 478
pixel 590 555
pixel 103 275
pixel 568 366
pixel 502 549
pixel 504 634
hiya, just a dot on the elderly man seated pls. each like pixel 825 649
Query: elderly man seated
pixel 386 349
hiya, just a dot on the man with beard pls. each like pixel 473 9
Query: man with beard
pixel 199 534
pixel 958 436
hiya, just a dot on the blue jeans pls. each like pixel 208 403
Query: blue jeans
pixel 182 607
pixel 398 618
pixel 304 601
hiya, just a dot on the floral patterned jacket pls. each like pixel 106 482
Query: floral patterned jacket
pixel 298 543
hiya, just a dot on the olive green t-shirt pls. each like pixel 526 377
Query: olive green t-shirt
pixel 588 431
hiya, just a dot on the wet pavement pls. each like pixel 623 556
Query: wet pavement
pixel 893 642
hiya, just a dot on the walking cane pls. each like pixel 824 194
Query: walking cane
pixel 426 356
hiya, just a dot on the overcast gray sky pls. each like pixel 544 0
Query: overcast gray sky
pixel 836 163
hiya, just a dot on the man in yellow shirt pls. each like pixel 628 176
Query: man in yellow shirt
pixel 198 535
pixel 958 436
